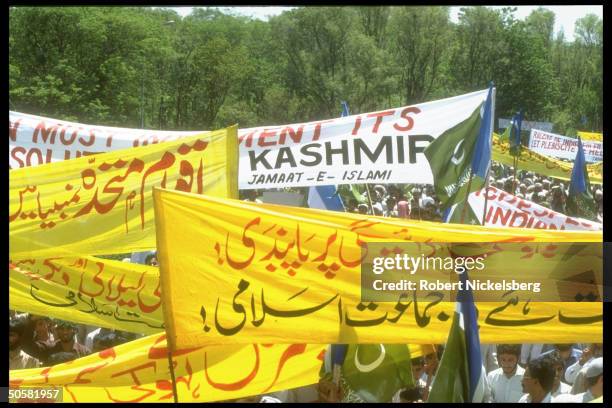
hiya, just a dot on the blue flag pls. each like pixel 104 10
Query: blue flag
pixel 327 197
pixel 481 159
pixel 580 202
pixel 472 341
pixel 515 134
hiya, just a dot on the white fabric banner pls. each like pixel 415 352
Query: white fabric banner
pixel 503 123
pixel 563 147
pixel 507 210
pixel 35 140
pixel 378 147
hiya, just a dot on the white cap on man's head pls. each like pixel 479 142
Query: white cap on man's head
pixel 594 368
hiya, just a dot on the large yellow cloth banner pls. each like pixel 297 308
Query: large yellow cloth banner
pixel 591 136
pixel 102 204
pixel 234 272
pixel 547 166
pixel 139 372
pixel 89 290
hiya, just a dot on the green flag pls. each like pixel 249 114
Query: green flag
pixel 358 196
pixel 453 214
pixel 376 372
pixel 452 380
pixel 450 158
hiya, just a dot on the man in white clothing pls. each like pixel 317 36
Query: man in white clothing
pixel 538 380
pixel 505 381
pixel 593 381
pixel 559 387
pixel 574 373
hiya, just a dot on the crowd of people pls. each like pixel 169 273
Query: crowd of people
pixel 420 201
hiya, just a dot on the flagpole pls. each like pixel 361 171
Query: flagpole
pixel 174 390
pixel 486 193
pixel 467 195
pixel 369 198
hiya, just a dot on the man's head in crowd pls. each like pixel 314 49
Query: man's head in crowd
pixel 352 205
pixel 594 377
pixel 41 326
pixel 557 363
pixel 151 260
pixel 413 394
pixel 508 356
pixel 431 363
pixel 363 209
pixel 391 203
pixel 538 378
pixel 564 350
pixel 65 331
pixel 598 195
pixel 15 333
pixel 417 367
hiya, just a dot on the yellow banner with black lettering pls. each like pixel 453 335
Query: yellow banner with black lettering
pixel 139 372
pixel 89 290
pixel 234 272
pixel 590 136
pixel 540 164
pixel 102 204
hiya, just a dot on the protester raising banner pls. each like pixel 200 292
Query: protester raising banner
pixel 89 290
pixel 103 204
pixel 532 161
pixel 563 147
pixel 138 372
pixel 282 274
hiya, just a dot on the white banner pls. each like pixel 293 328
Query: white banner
pixel 378 147
pixel 507 210
pixel 503 123
pixel 563 147
pixel 35 140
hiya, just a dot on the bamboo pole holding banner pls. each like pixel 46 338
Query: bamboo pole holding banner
pixel 172 376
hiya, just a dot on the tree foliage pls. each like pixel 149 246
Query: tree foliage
pixel 119 66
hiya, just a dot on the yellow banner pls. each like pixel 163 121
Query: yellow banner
pixel 234 272
pixel 532 161
pixel 89 290
pixel 591 136
pixel 139 372
pixel 102 204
